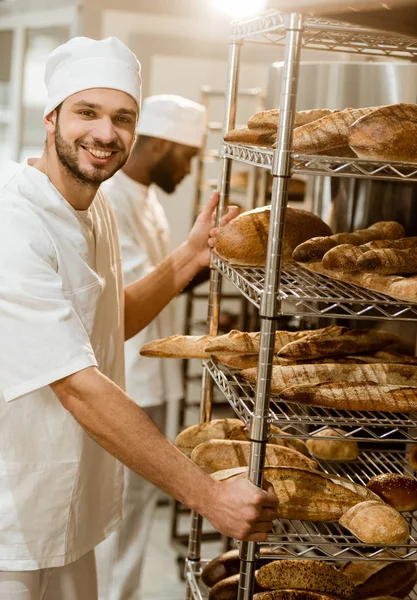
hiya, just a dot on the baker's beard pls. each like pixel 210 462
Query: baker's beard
pixel 94 176
pixel 163 173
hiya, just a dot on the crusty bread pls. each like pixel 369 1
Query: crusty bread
pixel 399 491
pixel 177 346
pixel 311 575
pixel 291 595
pixel 376 523
pixel 249 343
pixel 412 457
pixel 354 396
pixel 338 450
pixel 328 133
pixel 388 261
pixel 269 118
pixel 333 373
pixel 343 257
pixel 227 589
pixel 228 564
pixel 387 133
pixel 374 578
pixel 244 240
pixel 216 455
pixel 249 137
pixel 314 249
pixel 308 495
pixel 337 340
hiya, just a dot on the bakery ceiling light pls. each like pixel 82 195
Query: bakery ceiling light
pixel 239 9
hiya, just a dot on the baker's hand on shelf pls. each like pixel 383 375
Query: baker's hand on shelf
pixel 203 235
pixel 241 510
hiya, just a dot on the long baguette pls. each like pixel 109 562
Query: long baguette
pixel 177 346
pixel 269 118
pixel 315 248
pixel 354 396
pixel 388 261
pixel 249 137
pixel 249 343
pixel 340 340
pixel 307 374
pixel 216 455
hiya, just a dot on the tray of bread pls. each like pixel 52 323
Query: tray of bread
pixel 324 34
pixel 376 142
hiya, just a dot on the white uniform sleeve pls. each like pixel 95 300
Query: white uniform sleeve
pixel 41 336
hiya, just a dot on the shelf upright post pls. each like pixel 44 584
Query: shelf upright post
pixel 270 304
pixel 194 545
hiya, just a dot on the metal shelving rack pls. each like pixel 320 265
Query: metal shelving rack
pixel 293 290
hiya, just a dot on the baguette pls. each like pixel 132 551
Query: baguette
pixel 387 133
pixel 337 340
pixel 310 575
pixel 376 578
pixel 328 133
pixel 217 455
pixel 314 249
pixel 249 137
pixel 308 495
pixel 333 373
pixel 177 346
pixel 354 396
pixel 340 449
pixel 228 564
pixel 244 240
pixel 269 118
pixel 249 343
pixel 375 523
pixel 388 261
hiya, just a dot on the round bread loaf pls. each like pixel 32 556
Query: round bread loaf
pixel 374 522
pixel 311 575
pixel 412 457
pixel 373 578
pixel 332 450
pixel 227 589
pixel 399 491
pixel 244 240
pixel 291 595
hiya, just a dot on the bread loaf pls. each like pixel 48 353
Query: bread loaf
pixel 248 137
pixel 338 450
pixel 338 340
pixel 374 578
pixel 244 240
pixel 343 257
pixel 354 396
pixel 269 118
pixel 228 564
pixel 177 346
pixel 308 495
pixel 227 589
pixel 412 457
pixel 216 455
pixel 388 261
pixel 333 373
pixel 375 523
pixel 314 249
pixel 328 133
pixel 291 595
pixel 400 244
pixel 238 361
pixel 249 343
pixel 382 356
pixel 311 575
pixel 387 133
pixel 399 491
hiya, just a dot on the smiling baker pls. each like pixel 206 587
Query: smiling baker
pixel 64 316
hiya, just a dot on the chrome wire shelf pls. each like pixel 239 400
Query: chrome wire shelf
pixel 193 571
pixel 311 294
pixel 302 421
pixel 321 34
pixel 309 164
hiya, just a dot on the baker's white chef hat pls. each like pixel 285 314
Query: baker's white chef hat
pixel 173 118
pixel 83 64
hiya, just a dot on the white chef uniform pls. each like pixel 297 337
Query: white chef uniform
pixel 144 242
pixel 61 310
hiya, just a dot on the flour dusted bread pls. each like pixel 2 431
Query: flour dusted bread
pixel 375 523
pixel 387 133
pixel 177 346
pixel 338 449
pixel 249 137
pixel 244 240
pixel 375 578
pixel 269 118
pixel 309 575
pixel 388 261
pixel 250 343
pixel 216 455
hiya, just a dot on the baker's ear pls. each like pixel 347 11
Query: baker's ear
pixel 162 146
pixel 50 121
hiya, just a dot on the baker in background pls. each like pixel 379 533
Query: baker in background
pixel 170 133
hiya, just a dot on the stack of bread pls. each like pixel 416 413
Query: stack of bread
pixel 387 133
pixel 378 258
